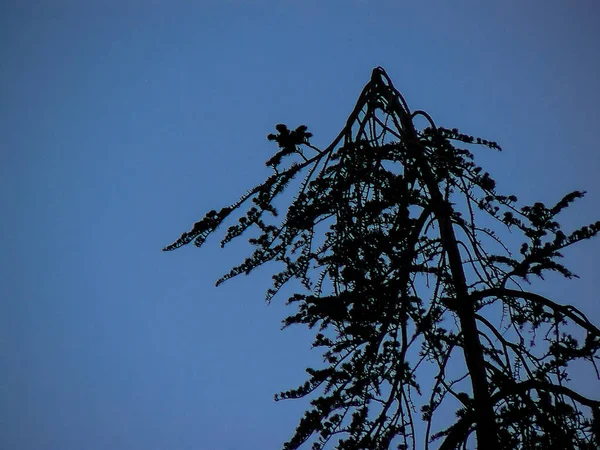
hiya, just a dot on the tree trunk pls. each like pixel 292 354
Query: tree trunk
pixel 486 428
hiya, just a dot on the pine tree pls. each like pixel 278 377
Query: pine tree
pixel 394 236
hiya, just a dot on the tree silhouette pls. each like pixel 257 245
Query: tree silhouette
pixel 393 235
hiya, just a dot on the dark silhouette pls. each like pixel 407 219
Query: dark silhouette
pixel 391 236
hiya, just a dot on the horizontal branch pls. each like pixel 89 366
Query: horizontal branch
pixel 547 387
pixel 569 311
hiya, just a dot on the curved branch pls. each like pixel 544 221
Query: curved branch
pixel 569 311
pixel 528 385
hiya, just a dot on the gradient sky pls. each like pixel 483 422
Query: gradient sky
pixel 123 122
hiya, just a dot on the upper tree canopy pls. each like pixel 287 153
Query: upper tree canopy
pixel 416 300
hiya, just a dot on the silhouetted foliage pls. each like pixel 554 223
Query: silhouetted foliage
pixel 392 234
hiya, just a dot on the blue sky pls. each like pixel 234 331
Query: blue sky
pixel 123 122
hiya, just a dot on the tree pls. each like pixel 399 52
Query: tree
pixel 393 235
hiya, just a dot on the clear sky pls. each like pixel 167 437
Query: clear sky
pixel 123 122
